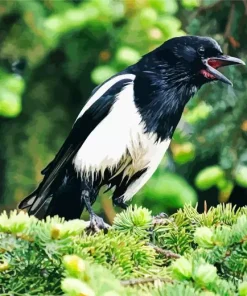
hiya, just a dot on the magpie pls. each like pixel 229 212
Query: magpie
pixel 124 130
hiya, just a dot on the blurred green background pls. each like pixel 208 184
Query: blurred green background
pixel 54 52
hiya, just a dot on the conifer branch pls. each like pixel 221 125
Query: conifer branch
pixel 166 253
pixel 207 250
pixel 142 281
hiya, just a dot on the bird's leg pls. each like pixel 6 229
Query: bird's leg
pixel 96 223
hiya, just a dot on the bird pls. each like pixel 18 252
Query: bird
pixel 122 133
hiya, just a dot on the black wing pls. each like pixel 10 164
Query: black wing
pixel 82 128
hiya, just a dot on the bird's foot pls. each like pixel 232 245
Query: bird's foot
pixel 161 216
pixel 160 219
pixel 97 224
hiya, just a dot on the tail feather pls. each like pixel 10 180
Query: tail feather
pixel 28 201
pixel 32 200
pixel 63 200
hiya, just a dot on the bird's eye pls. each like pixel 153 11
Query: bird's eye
pixel 201 50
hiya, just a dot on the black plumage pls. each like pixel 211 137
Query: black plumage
pixel 125 128
pixel 60 179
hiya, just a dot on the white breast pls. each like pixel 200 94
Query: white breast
pixel 117 138
pixel 153 157
pixel 108 142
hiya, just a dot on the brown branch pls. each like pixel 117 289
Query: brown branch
pixel 109 211
pixel 209 7
pixel 133 282
pixel 166 253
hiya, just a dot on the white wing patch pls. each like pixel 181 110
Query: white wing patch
pixel 103 89
pixel 119 138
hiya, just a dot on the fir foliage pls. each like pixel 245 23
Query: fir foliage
pixel 186 254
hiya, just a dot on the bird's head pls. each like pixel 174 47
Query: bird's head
pixel 194 59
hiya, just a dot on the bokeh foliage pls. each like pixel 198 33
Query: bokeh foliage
pixel 70 46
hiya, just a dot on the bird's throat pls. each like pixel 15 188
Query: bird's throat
pixel 161 105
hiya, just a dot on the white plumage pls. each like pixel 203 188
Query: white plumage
pixel 119 137
pixel 103 89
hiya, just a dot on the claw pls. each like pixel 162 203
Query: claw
pixel 160 219
pixel 97 224
pixel 161 216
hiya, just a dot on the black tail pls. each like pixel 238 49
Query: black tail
pixel 63 199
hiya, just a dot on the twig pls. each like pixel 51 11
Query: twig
pixel 133 282
pixel 227 33
pixel 245 5
pixel 166 253
pixel 205 207
pixel 203 9
pixel 208 7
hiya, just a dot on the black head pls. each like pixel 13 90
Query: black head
pixel 171 74
pixel 194 58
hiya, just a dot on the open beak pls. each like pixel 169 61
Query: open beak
pixel 216 62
